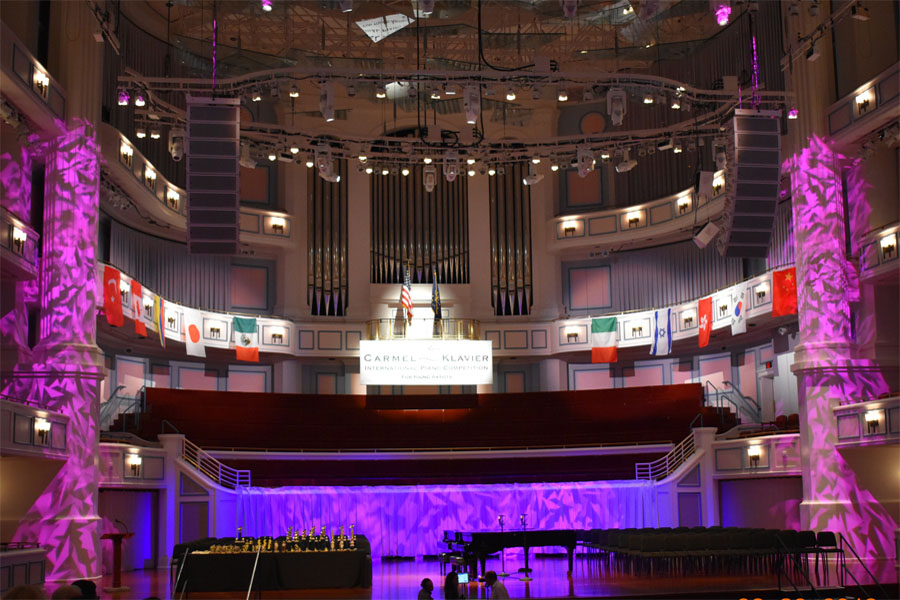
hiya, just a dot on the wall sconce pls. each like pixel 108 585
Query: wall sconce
pixel 637 331
pixel 889 246
pixel 569 228
pixel 572 335
pixel 718 183
pixel 761 292
pixel 134 462
pixel 41 83
pixel 277 224
pixel 19 237
pixel 124 288
pixel 171 322
pixel 688 318
pixel 148 308
pixel 42 431
pixel 873 421
pixel 723 310
pixel 684 204
pixel 278 336
pixel 633 218
pixel 172 198
pixel 753 453
pixel 149 177
pixel 215 332
pixel 126 153
pixel 864 101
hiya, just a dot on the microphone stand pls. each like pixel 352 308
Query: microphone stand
pixel 523 517
pixel 253 574
pixel 502 572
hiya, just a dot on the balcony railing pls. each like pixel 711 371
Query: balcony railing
pixel 665 466
pixel 445 329
pixel 221 474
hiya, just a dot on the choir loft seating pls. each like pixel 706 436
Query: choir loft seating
pixel 546 436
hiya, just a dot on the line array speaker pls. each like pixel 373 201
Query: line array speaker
pixel 752 178
pixel 213 174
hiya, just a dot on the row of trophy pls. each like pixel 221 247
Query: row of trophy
pixel 299 540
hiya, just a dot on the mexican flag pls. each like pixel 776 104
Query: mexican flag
pixel 246 339
pixel 603 340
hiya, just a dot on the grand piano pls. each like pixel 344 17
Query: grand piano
pixel 475 546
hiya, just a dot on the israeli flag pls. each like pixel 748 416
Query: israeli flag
pixel 662 332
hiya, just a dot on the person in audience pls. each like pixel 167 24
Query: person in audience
pixel 25 592
pixel 425 592
pixel 498 590
pixel 88 589
pixel 451 585
pixel 66 592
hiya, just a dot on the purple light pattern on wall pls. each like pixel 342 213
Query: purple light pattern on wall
pixel 410 520
pixel 67 363
pixel 826 370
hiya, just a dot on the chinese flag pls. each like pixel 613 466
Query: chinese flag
pixel 137 306
pixel 704 311
pixel 112 299
pixel 784 292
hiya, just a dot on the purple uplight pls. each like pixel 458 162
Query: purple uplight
pixel 267 5
pixel 793 113
pixel 723 13
pixel 124 97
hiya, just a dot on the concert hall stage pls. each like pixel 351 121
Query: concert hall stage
pixel 590 579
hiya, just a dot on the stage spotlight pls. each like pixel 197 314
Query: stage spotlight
pixel 615 105
pixel 627 164
pixel 533 176
pixel 472 102
pixel 326 101
pixel 267 5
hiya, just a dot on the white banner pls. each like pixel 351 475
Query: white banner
pixel 425 362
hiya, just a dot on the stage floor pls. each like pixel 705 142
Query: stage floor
pixel 591 579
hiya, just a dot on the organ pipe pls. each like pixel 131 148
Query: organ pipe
pixel 510 210
pixel 327 290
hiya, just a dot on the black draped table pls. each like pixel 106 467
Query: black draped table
pixel 215 572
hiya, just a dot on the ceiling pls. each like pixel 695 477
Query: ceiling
pixel 607 35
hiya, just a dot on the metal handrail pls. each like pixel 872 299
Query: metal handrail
pixel 664 466
pixel 780 568
pixel 863 564
pixel 738 410
pixel 753 404
pixel 446 329
pixel 220 473
pixel 428 449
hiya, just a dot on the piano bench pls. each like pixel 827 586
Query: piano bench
pixel 451 558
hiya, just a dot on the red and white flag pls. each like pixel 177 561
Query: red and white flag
pixel 137 308
pixel 193 332
pixel 784 292
pixel 704 310
pixel 112 296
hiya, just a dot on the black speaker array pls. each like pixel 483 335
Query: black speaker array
pixel 213 175
pixel 752 180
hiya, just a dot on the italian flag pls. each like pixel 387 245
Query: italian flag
pixel 603 340
pixel 246 339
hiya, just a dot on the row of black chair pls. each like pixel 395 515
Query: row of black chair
pixel 683 550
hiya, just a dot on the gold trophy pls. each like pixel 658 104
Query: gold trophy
pixel 239 533
pixel 352 538
pixel 332 540
pixel 341 539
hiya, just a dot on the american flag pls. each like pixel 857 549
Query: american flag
pixel 406 295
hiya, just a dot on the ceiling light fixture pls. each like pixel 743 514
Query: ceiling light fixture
pixel 256 96
pixel 626 165
pixel 722 12
pixel 615 105
pixel 405 171
pixel 346 5
pixel 570 8
pixel 585 159
pixel 533 176
pixel 451 166
pixel 139 99
pixel 267 5
pixel 472 102
pixel 562 95
pixel 510 94
pixel 295 150
pixel 140 132
pixel 295 91
pixel 427 160
pixel 123 96
pixel 154 133
pixel 429 178
pixel 380 91
pixel 492 171
pixel 648 98
pixel 326 101
pixel 272 156
pixel 793 113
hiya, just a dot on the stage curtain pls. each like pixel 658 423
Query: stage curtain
pixel 410 520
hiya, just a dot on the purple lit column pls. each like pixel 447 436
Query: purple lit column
pixel 67 362
pixel 824 363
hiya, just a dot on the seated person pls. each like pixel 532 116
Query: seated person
pixel 498 590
